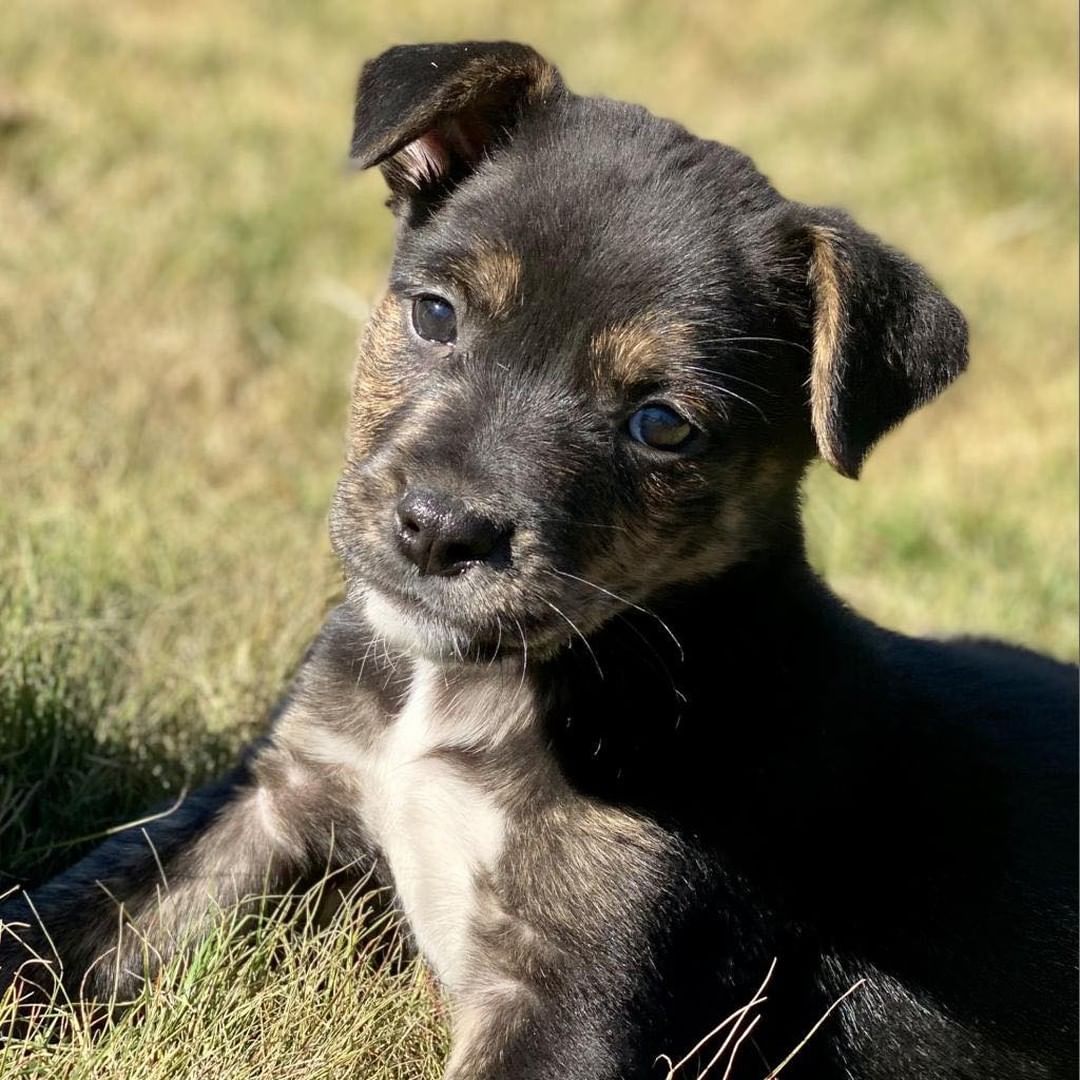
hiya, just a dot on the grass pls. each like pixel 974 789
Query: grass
pixel 183 264
pixel 273 994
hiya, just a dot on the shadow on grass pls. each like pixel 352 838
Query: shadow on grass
pixel 63 782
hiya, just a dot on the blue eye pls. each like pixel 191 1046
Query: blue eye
pixel 434 319
pixel 660 427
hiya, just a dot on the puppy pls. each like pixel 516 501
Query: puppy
pixel 586 711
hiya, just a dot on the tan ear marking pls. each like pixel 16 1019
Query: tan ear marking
pixel 826 284
pixel 545 80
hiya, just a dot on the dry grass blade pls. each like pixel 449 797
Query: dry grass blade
pixel 741 1024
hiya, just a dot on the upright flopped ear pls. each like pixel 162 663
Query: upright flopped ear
pixel 428 113
pixel 885 339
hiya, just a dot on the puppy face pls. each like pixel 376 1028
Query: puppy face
pixel 586 384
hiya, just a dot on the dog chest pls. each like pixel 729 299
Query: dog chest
pixel 440 830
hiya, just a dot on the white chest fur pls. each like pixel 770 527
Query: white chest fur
pixel 438 828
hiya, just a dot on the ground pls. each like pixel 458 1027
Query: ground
pixel 184 260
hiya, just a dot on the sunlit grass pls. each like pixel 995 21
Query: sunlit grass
pixel 270 993
pixel 183 262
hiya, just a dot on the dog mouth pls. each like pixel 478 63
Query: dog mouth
pixel 418 627
pixel 442 628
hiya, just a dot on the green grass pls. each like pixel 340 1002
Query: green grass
pixel 183 260
pixel 278 993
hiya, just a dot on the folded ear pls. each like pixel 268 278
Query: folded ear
pixel 428 113
pixel 885 339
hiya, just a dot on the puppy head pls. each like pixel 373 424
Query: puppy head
pixel 606 353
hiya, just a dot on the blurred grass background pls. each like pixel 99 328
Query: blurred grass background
pixel 184 259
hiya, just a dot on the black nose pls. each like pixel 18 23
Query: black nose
pixel 442 536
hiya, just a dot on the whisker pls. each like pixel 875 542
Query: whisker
pixel 640 635
pixel 524 653
pixel 749 382
pixel 738 397
pixel 371 647
pixel 577 521
pixel 498 641
pixel 746 351
pixel 629 603
pixel 764 340
pixel 574 627
pixel 715 381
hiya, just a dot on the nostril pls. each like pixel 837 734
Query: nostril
pixel 441 535
pixel 416 514
pixel 474 541
pixel 417 528
pixel 457 555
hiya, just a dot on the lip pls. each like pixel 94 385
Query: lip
pixel 411 606
pixel 411 624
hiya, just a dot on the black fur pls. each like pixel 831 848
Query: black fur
pixel 700 761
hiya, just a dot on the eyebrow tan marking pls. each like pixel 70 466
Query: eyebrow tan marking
pixel 641 348
pixel 491 276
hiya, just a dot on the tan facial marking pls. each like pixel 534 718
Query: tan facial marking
pixel 825 277
pixel 651 548
pixel 638 349
pixel 491 276
pixel 378 383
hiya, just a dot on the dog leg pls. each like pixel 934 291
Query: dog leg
pixel 115 917
pixel 510 1032
pixel 282 818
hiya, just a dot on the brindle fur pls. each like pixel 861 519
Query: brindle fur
pixel 609 780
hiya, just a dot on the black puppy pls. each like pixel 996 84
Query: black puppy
pixel 586 709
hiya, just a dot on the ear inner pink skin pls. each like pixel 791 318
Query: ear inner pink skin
pixel 425 160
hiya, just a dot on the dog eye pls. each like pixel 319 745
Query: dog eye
pixel 660 427
pixel 434 319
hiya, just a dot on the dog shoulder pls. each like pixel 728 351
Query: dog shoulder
pixel 1018 702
